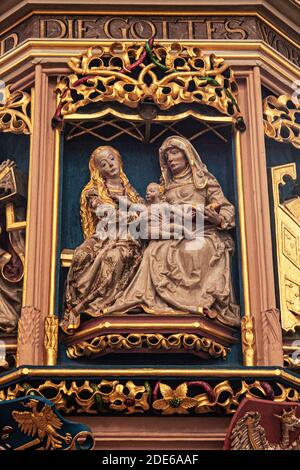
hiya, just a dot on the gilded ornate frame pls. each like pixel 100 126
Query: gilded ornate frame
pixel 51 328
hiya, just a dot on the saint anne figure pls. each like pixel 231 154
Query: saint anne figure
pixel 101 268
pixel 173 278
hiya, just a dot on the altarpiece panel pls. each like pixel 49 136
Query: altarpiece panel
pixel 136 257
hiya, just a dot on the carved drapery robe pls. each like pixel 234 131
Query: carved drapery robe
pixel 13 190
pixel 102 266
pixel 177 276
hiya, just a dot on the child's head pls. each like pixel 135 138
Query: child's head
pixel 153 193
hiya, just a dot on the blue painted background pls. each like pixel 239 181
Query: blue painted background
pixel 141 165
pixel 15 147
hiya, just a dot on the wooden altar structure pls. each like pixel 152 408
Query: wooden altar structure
pixel 40 44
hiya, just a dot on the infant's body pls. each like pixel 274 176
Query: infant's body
pixel 165 221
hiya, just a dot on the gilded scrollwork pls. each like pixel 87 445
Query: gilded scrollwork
pixel 186 342
pixel 291 363
pixel 167 74
pixel 128 398
pixel 15 112
pixel 131 397
pixel 281 119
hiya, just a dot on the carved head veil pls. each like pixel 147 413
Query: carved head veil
pixel 199 170
pixel 97 182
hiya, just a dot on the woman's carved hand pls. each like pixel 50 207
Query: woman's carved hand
pixel 212 216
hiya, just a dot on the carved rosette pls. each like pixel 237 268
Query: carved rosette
pixel 15 111
pixel 282 119
pixel 165 74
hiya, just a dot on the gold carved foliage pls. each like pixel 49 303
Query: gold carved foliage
pixel 15 112
pixel 130 73
pixel 282 119
pixel 128 397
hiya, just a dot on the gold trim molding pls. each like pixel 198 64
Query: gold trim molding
pixel 15 112
pixel 282 119
pixel 277 374
pixel 236 51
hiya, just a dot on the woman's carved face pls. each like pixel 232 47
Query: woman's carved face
pixel 108 164
pixel 176 160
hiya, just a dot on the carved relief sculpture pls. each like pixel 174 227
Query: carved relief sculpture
pixel 100 268
pixel 182 276
pixel 153 273
pixel 13 193
pixel 34 423
pixel 172 276
pixel 262 425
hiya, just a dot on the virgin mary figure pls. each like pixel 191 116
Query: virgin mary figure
pixel 101 267
pixel 173 278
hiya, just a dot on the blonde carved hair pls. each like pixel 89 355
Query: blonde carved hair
pixel 97 183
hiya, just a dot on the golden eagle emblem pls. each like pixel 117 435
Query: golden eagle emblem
pixel 44 424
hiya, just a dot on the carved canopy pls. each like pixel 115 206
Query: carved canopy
pixel 132 73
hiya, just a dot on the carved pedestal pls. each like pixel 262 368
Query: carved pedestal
pixel 148 334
